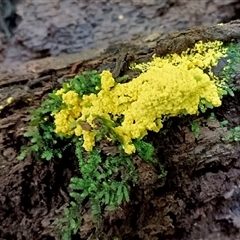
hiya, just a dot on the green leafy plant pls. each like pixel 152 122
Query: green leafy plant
pixel 224 123
pixel 104 182
pixel 145 150
pixel 204 105
pixel 212 116
pixel 105 128
pixel 195 128
pixel 122 79
pixel 70 221
pixel 44 143
pixel 232 135
pixel 84 84
pixel 230 69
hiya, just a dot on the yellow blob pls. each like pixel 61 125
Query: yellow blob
pixel 60 91
pixel 9 100
pixel 89 140
pixel 168 86
pixel 129 148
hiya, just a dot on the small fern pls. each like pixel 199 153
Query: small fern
pixel 195 128
pixel 84 84
pixel 144 150
pixel 44 143
pixel 103 178
pixel 233 135
pixel 69 223
pixel 104 182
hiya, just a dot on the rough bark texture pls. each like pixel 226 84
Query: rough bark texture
pixel 180 41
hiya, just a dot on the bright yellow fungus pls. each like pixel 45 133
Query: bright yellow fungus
pixel 60 91
pixel 9 100
pixel 167 86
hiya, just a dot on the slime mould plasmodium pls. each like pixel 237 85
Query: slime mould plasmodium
pixel 168 86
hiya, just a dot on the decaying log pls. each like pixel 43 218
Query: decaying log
pixel 28 83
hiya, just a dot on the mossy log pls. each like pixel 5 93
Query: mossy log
pixel 202 172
